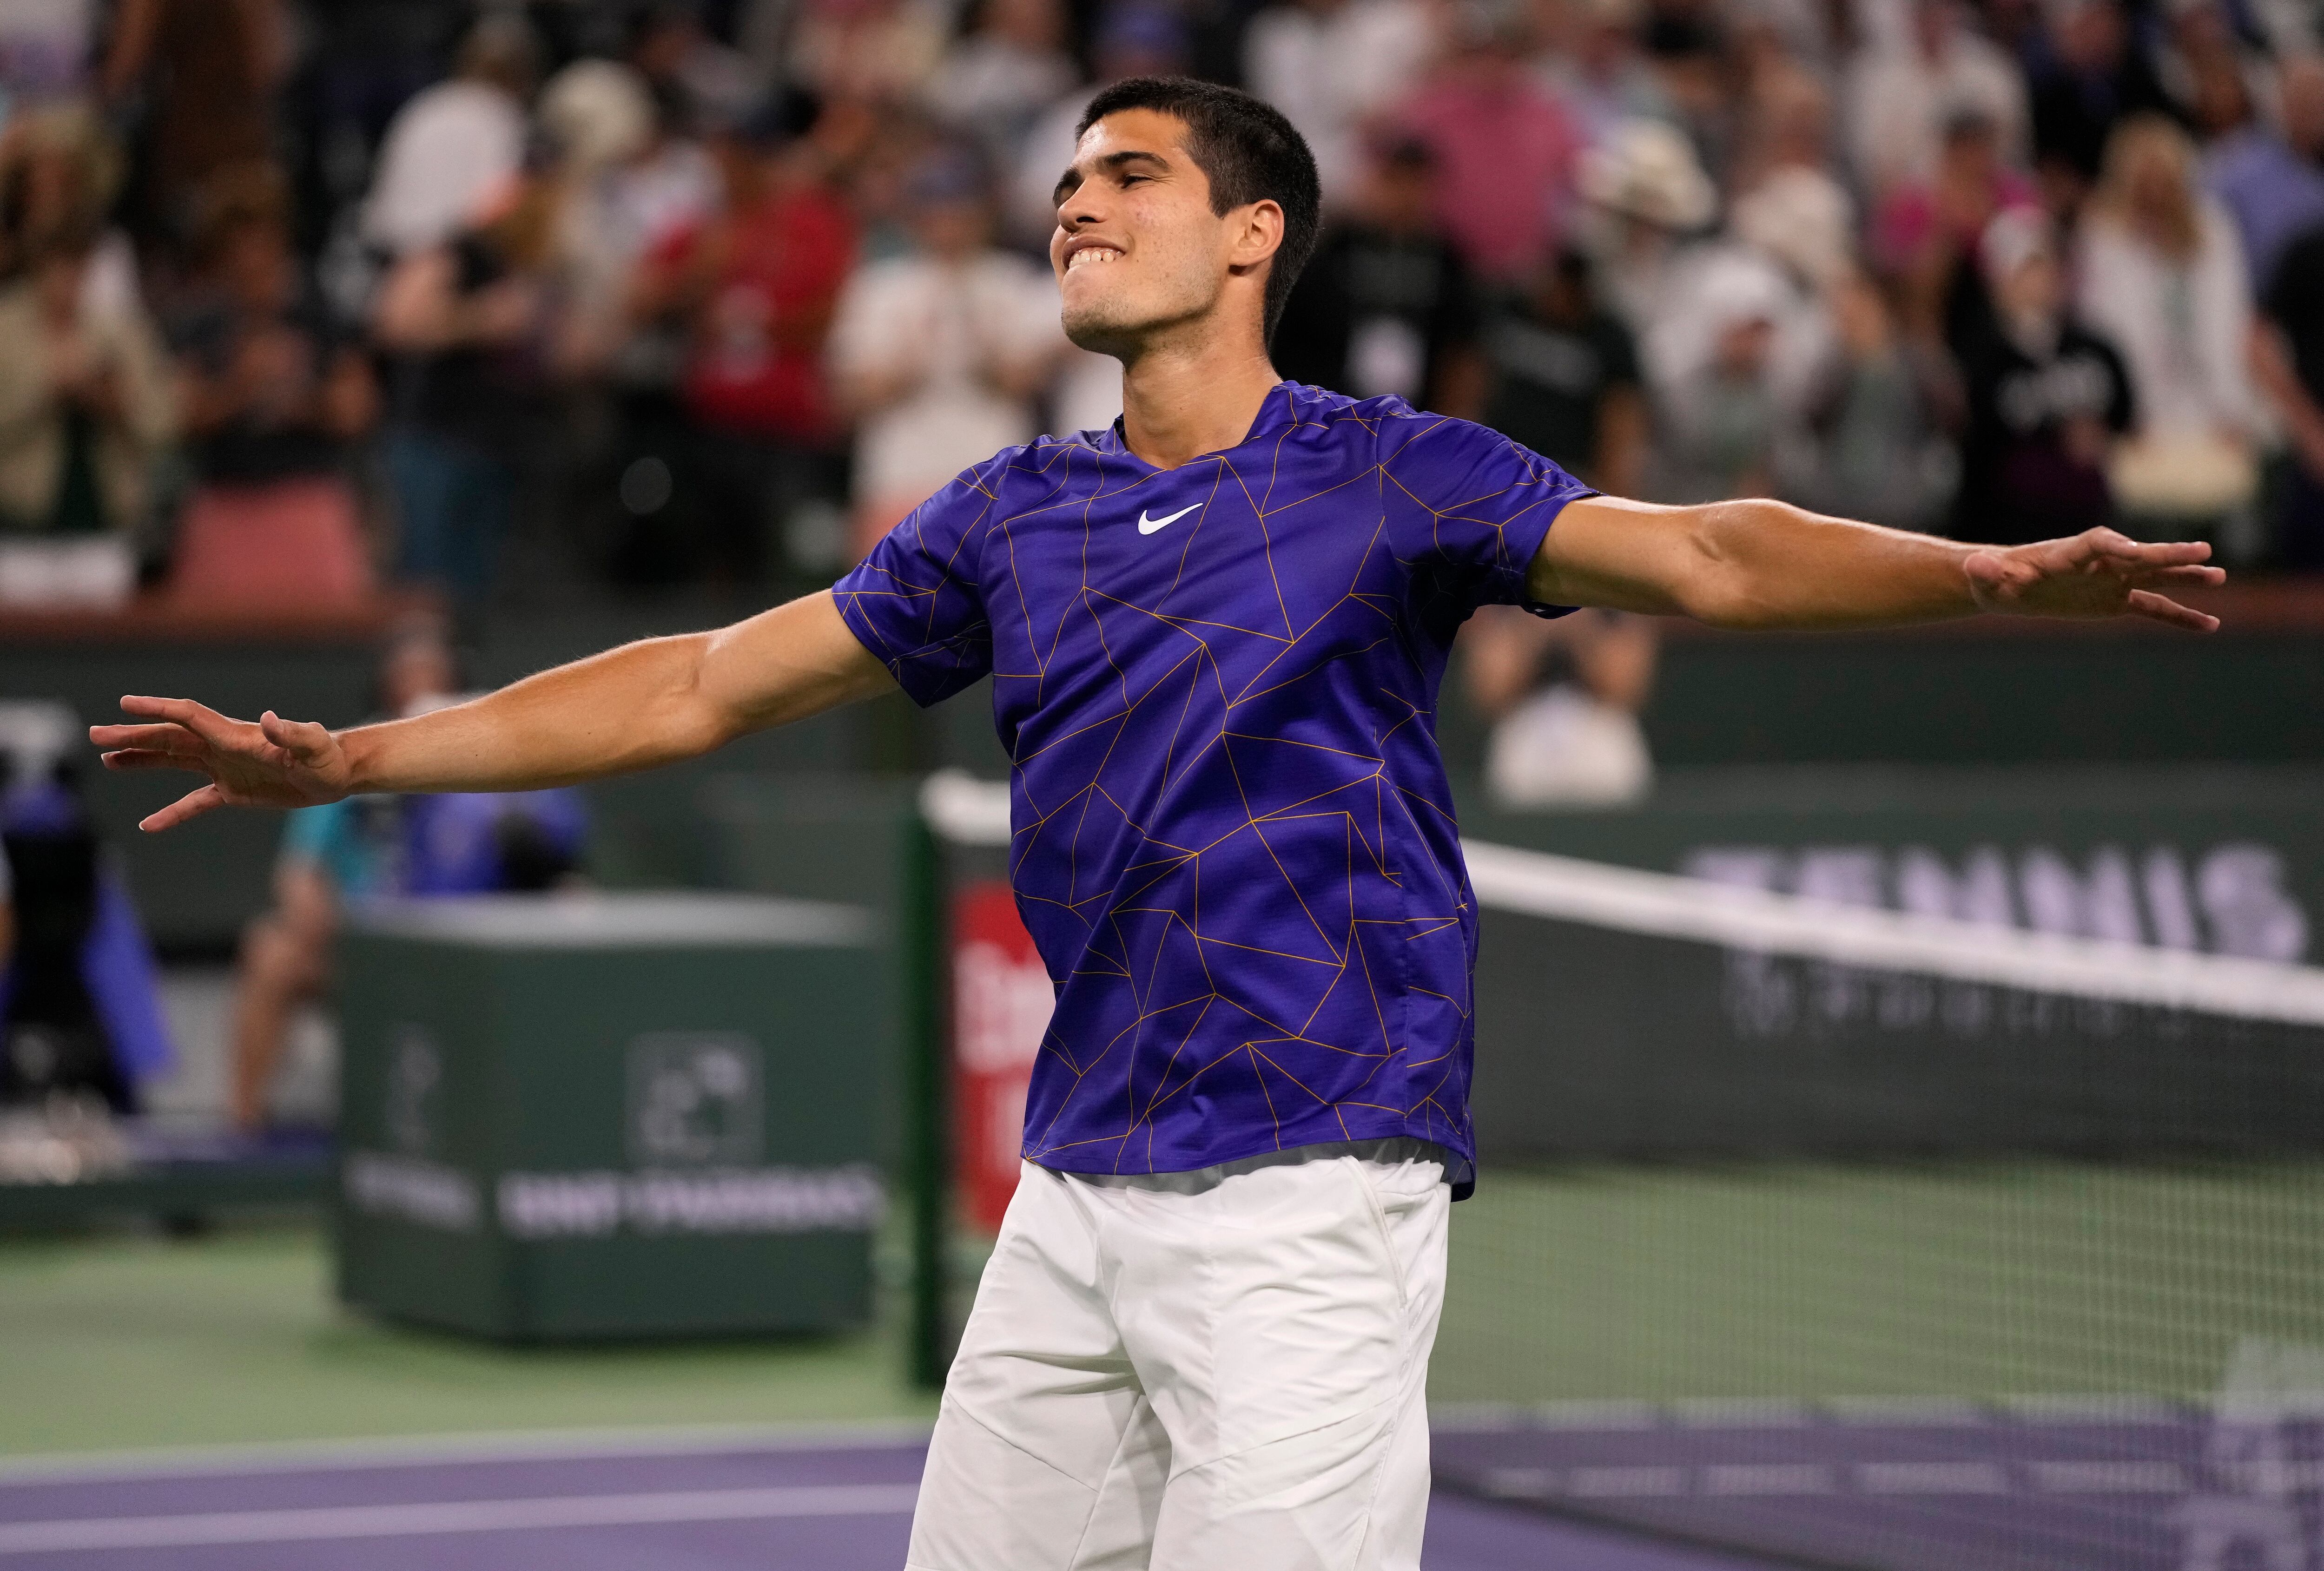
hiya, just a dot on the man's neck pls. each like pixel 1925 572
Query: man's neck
pixel 1180 402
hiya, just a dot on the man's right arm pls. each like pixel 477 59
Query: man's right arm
pixel 635 707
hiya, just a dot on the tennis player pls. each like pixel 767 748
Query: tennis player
pixel 1215 634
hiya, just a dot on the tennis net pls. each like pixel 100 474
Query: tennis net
pixel 1861 1239
pixel 1853 1238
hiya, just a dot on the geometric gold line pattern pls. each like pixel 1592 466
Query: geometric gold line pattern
pixel 1232 837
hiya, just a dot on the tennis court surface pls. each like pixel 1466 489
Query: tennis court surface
pixel 826 1502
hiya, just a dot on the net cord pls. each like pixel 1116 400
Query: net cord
pixel 969 812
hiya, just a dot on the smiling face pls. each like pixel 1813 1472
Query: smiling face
pixel 1137 250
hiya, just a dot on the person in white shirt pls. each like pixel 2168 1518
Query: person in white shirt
pixel 938 355
pixel 2161 276
pixel 455 143
pixel 995 82
pixel 1899 101
pixel 1330 66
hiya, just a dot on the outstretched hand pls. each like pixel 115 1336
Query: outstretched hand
pixel 271 763
pixel 2098 573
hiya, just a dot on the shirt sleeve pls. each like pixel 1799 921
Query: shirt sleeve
pixel 1469 509
pixel 915 602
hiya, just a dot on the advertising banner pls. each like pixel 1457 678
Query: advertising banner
pixel 1001 1003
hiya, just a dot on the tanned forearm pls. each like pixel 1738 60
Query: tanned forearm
pixel 1759 564
pixel 1751 563
pixel 1771 565
pixel 643 704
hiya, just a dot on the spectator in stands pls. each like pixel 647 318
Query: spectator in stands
pixel 1385 304
pixel 273 391
pixel 45 50
pixel 2289 355
pixel 85 401
pixel 995 82
pixel 873 53
pixel 59 175
pixel 454 144
pixel 2299 106
pixel 80 1013
pixel 1332 67
pixel 368 848
pixel 2047 398
pixel 752 286
pixel 1602 76
pixel 1900 103
pixel 1925 234
pixel 696 77
pixel 206 72
pixel 471 326
pixel 1134 38
pixel 1563 698
pixel 2271 192
pixel 1731 368
pixel 939 353
pixel 1565 379
pixel 1788 202
pixel 1645 196
pixel 2161 276
pixel 2189 38
pixel 1505 149
pixel 2092 81
pixel 1877 450
pixel 596 117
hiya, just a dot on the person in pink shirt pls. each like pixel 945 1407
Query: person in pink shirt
pixel 1505 149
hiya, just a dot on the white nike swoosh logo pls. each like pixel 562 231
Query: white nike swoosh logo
pixel 1146 525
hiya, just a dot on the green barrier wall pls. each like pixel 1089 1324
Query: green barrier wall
pixel 613 1116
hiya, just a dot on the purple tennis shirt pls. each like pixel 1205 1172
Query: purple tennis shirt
pixel 1233 838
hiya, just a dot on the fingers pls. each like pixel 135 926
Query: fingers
pixel 303 739
pixel 2149 553
pixel 149 758
pixel 199 719
pixel 2145 602
pixel 2203 576
pixel 192 805
pixel 166 739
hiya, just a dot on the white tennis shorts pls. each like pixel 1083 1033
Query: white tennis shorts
pixel 1193 1370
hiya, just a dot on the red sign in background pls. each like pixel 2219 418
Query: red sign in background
pixel 1001 1000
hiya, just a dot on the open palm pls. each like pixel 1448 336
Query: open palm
pixel 271 762
pixel 2098 573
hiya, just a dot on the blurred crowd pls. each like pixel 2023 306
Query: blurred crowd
pixel 301 298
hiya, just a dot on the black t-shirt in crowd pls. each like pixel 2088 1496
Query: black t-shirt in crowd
pixel 2019 480
pixel 254 448
pixel 1377 313
pixel 2295 302
pixel 1549 379
pixel 2073 115
pixel 486 397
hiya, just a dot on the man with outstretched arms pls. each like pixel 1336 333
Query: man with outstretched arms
pixel 1215 633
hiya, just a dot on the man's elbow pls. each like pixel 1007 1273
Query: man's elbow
pixel 1723 582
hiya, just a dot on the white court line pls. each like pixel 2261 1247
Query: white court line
pixel 467 1516
pixel 424 1450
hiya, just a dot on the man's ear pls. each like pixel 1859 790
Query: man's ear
pixel 1257 233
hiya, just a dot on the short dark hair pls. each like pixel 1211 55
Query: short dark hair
pixel 1249 151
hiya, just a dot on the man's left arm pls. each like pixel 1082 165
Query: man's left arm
pixel 1759 564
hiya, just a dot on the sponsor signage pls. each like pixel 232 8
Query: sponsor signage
pixel 694 1125
pixel 1001 1001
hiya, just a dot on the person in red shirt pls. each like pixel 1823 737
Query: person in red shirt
pixel 1505 149
pixel 753 288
